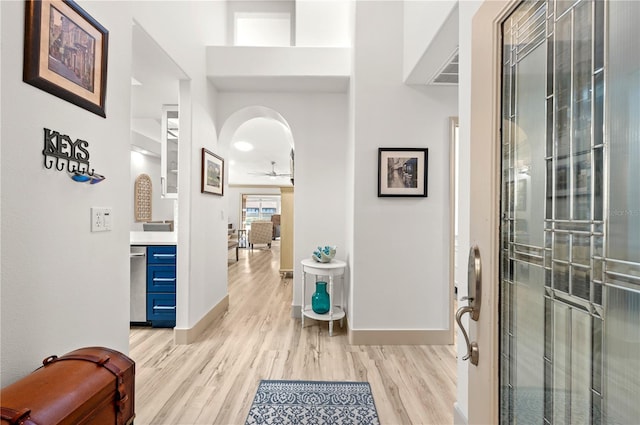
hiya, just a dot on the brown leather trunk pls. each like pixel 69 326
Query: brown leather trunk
pixel 92 385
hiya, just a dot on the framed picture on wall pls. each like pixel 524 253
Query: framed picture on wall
pixel 65 53
pixel 212 173
pixel 402 171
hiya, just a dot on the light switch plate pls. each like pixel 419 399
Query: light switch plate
pixel 101 219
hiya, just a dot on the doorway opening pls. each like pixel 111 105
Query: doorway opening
pixel 258 207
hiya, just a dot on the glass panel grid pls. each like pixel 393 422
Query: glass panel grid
pixel 562 89
pixel 563 6
pixel 561 364
pixel 621 362
pixel 582 75
pixel 581 359
pixel 598 45
pixel 572 243
pixel 580 282
pixel 596 349
pixel 622 76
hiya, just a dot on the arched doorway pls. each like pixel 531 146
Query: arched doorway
pixel 259 146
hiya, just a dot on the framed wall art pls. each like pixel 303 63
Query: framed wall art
pixel 212 173
pixel 402 171
pixel 65 53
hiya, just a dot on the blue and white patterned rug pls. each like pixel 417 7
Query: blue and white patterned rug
pixel 313 402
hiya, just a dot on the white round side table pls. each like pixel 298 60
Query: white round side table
pixel 331 269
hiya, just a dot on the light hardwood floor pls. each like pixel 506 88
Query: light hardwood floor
pixel 213 380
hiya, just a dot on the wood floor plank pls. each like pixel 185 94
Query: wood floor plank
pixel 214 380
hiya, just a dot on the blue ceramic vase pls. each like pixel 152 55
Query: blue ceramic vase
pixel 320 302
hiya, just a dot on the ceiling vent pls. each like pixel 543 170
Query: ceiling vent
pixel 448 74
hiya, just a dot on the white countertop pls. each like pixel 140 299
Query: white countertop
pixel 153 238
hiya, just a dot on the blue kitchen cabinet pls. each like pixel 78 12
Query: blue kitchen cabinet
pixel 161 286
pixel 161 254
pixel 161 279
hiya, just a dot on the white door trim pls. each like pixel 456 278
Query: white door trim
pixel 453 172
pixel 483 396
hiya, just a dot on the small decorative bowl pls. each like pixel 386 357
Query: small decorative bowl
pixel 324 254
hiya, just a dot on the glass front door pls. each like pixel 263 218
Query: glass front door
pixel 570 213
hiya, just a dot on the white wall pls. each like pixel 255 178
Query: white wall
pixel 350 170
pixel 313 22
pixel 142 141
pixel 318 125
pixel 161 208
pixel 324 23
pixel 63 287
pixel 277 62
pixel 259 30
pixel 422 20
pixel 264 8
pixel 400 253
pixel 202 218
pixel 467 10
pixel 52 308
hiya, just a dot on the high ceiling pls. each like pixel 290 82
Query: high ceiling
pixel 155 79
pixel 271 141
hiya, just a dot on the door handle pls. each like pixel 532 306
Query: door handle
pixel 472 347
pixel 474 298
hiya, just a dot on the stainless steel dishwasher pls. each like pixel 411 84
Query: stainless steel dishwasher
pixel 138 306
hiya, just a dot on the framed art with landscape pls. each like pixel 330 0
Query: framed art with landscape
pixel 212 173
pixel 402 171
pixel 65 53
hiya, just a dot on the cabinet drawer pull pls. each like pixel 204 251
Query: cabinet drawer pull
pixel 164 279
pixel 164 307
pixel 164 255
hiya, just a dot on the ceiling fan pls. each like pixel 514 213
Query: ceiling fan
pixel 271 173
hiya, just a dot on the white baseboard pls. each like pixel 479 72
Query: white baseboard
pixel 392 336
pixel 399 337
pixel 459 418
pixel 187 336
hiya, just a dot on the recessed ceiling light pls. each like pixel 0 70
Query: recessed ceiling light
pixel 135 82
pixel 243 146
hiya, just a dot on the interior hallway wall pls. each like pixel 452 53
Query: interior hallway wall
pixel 318 123
pixel 350 171
pixel 63 287
pixel 324 23
pixel 400 254
pixel 202 218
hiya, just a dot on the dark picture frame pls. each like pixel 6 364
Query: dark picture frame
pixel 402 172
pixel 65 53
pixel 212 173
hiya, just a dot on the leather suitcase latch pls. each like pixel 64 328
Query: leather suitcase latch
pixel 16 417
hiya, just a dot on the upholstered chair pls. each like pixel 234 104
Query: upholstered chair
pixel 261 232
